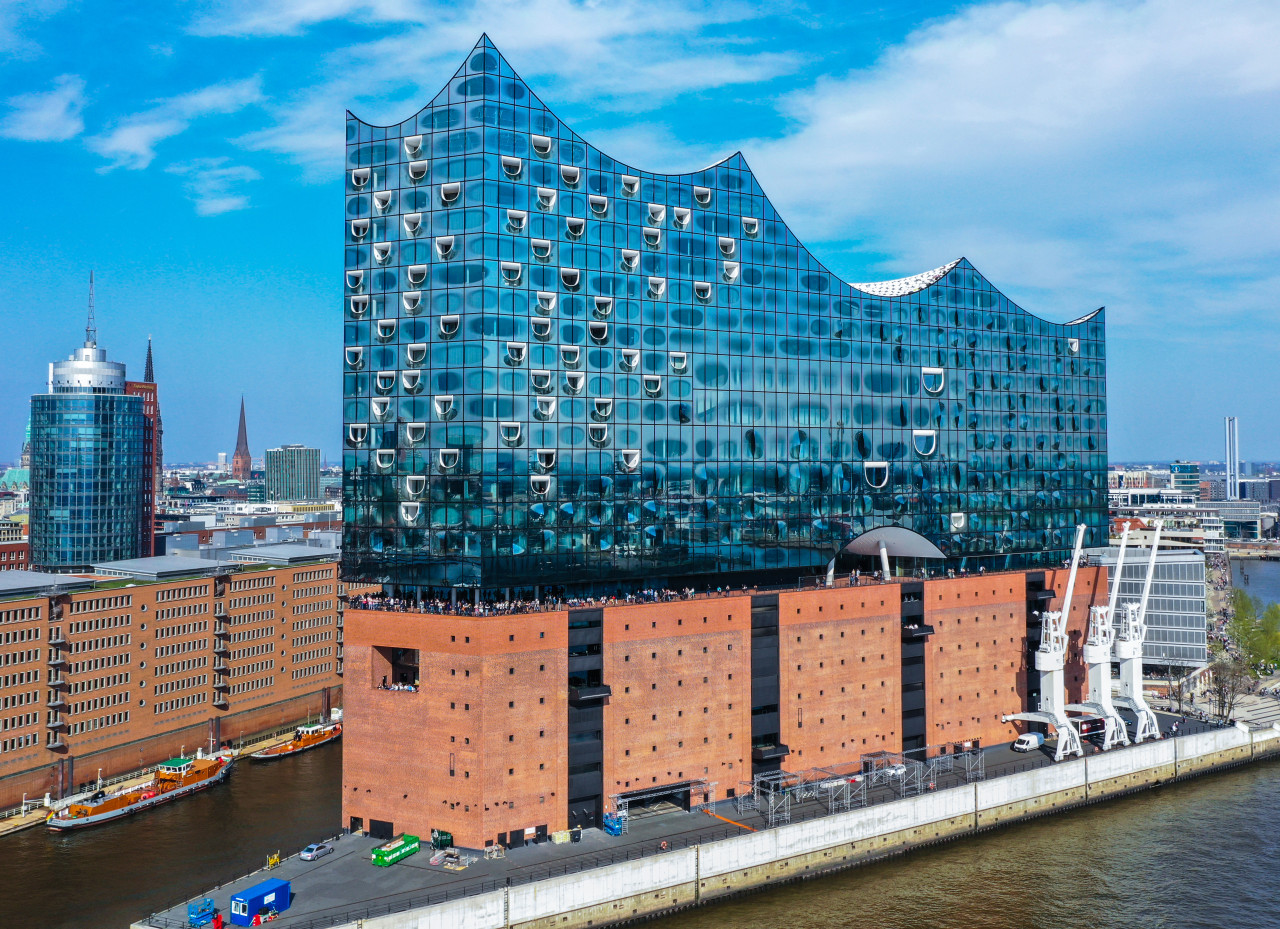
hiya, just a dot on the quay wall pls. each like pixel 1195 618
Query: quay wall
pixel 688 877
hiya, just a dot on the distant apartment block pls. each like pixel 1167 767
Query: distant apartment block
pixel 293 473
pixel 1176 619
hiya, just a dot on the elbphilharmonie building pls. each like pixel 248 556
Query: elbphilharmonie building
pixel 560 368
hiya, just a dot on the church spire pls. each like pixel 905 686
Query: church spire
pixel 149 372
pixel 242 461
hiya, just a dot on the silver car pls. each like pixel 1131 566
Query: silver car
pixel 314 851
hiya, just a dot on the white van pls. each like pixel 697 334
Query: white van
pixel 1028 742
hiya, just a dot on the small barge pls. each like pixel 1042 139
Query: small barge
pixel 304 737
pixel 174 778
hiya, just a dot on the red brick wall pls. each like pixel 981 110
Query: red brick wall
pixel 839 674
pixel 1091 590
pixel 681 705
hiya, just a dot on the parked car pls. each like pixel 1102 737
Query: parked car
pixel 1028 742
pixel 315 850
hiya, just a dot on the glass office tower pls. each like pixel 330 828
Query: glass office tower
pixel 89 480
pixel 559 368
pixel 293 473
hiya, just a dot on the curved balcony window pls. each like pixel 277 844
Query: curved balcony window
pixel 416 353
pixel 357 433
pixel 355 357
pixel 875 473
pixel 657 286
pixel 541 329
pixel 449 325
pixel 657 213
pixel 359 228
pixel 381 252
pixel 541 248
pixel 727 246
pixel 511 433
pixel 599 331
pixel 355 279
pixel 630 185
pixel 380 407
pixel 444 406
pixel 546 302
pixel 653 385
pixel 414 433
pixel 359 306
pixel 679 362
pixel 573 381
pixel 385 330
pixel 598 433
pixel 570 175
pixel 444 246
pixel 412 301
pixel 412 145
pixel 384 381
pixel 381 200
pixel 409 512
pixel 730 271
pixel 541 144
pixel 359 177
pixel 629 459
pixel 545 459
pixel 702 290
pixel 449 192
pixel 412 223
pixel 511 166
pixel 384 458
pixel 653 237
pixel 750 225
pixel 680 216
pixel 603 307
pixel 574 226
pixel 924 441
pixel 599 205
pixel 516 220
pixel 418 170
pixel 544 407
pixel 959 521
pixel 570 277
pixel 570 355
pixel 933 379
pixel 629 359
pixel 540 484
pixel 415 485
pixel 511 271
pixel 602 408
pixel 540 380
pixel 546 198
pixel 448 458
pixel 516 353
pixel 702 195
pixel 1073 346
pixel 411 381
pixel 630 259
pixel 416 273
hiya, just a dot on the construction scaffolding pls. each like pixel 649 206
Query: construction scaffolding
pixel 949 758
pixel 900 773
pixel 702 796
pixel 842 786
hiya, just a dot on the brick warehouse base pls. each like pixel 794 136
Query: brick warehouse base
pixel 122 759
pixel 495 741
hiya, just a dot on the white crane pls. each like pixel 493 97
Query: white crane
pixel 1097 655
pixel 1051 658
pixel 1131 632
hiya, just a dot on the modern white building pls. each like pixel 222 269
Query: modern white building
pixel 1176 617
pixel 1233 458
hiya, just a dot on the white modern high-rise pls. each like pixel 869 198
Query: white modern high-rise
pixel 1233 459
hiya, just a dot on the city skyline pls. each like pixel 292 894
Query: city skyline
pixel 221 138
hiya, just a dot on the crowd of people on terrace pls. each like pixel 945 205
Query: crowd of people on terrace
pixel 553 599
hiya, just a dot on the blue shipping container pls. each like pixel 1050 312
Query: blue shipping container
pixel 269 895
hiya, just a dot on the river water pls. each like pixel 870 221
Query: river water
pixel 1197 854
pixel 1264 578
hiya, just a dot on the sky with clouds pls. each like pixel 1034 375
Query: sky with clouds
pixel 1078 153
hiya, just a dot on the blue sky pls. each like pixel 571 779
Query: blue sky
pixel 1078 153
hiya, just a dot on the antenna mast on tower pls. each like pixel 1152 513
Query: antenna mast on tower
pixel 91 327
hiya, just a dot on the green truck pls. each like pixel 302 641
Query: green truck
pixel 384 856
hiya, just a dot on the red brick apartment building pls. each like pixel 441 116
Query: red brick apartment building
pixel 118 675
pixel 14 556
pixel 713 689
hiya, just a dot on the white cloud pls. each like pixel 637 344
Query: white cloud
pixel 291 17
pixel 47 116
pixel 213 184
pixel 132 142
pixel 15 16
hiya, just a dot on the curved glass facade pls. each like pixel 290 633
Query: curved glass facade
pixel 559 368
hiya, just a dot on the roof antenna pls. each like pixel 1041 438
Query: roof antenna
pixel 91 327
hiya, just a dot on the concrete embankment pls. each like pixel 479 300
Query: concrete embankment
pixel 702 873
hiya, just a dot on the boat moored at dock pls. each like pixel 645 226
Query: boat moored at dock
pixel 174 778
pixel 304 737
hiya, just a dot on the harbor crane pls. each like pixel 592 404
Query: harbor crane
pixel 1097 655
pixel 1051 658
pixel 1131 632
